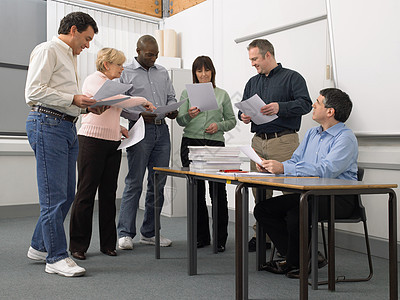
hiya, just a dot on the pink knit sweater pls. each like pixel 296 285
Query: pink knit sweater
pixel 107 125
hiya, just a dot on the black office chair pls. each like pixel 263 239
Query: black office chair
pixel 358 215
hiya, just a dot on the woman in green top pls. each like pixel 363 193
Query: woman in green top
pixel 207 129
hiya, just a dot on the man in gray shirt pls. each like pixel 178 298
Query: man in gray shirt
pixel 152 82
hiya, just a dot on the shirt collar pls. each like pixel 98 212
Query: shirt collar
pixel 275 70
pixel 62 44
pixel 334 130
pixel 137 65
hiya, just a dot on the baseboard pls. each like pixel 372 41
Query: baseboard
pixel 343 239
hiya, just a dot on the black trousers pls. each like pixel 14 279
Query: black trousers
pixel 98 167
pixel 203 230
pixel 279 216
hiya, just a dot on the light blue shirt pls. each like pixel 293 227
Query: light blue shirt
pixel 153 84
pixel 331 153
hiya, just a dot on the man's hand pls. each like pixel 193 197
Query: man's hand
pixel 83 101
pixel 149 106
pixel 245 118
pixel 124 132
pixel 270 109
pixel 172 115
pixel 213 128
pixel 272 166
pixel 148 117
pixel 98 110
pixel 193 111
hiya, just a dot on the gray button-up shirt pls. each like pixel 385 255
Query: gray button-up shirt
pixel 153 84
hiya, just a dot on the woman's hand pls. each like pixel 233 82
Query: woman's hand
pixel 213 128
pixel 149 106
pixel 193 111
pixel 124 132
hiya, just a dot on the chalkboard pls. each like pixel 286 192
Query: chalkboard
pixel 367 47
pixel 24 22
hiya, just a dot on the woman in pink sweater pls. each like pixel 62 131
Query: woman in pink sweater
pixel 99 161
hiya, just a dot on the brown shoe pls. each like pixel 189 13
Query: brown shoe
pixel 78 255
pixel 109 252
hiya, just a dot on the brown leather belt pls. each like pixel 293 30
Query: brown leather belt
pixel 272 135
pixel 156 122
pixel 54 113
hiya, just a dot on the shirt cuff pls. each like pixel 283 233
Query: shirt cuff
pixel 289 169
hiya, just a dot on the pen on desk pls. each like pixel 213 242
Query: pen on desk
pixel 231 170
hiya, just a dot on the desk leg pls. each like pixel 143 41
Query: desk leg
pixel 303 211
pixel 215 217
pixel 314 243
pixel 192 225
pixel 245 248
pixel 393 284
pixel 157 209
pixel 239 243
pixel 260 244
pixel 331 244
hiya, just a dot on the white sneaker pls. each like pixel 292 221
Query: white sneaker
pixel 36 255
pixel 125 243
pixel 66 267
pixel 164 242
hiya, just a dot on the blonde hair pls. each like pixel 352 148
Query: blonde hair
pixel 110 55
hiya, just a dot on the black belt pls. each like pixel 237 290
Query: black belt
pixel 54 113
pixel 156 122
pixel 272 135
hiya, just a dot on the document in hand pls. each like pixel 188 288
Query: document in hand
pixel 202 96
pixel 168 108
pixel 252 108
pixel 111 88
pixel 136 134
pixel 250 153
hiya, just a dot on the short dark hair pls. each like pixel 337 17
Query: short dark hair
pixel 144 40
pixel 199 63
pixel 263 46
pixel 80 19
pixel 339 101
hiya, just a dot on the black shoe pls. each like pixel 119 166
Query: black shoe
pixel 221 248
pixel 201 244
pixel 253 244
pixel 322 261
pixel 278 267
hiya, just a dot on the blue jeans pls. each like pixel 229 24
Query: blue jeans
pixel 55 144
pixel 152 151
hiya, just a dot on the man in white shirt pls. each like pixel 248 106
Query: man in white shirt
pixel 52 90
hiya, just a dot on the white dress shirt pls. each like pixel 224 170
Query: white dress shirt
pixel 52 79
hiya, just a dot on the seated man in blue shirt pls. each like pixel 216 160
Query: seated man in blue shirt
pixel 329 150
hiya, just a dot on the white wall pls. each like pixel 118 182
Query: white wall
pixel 210 29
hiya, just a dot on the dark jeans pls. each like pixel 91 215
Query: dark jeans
pixel 279 216
pixel 203 231
pixel 98 167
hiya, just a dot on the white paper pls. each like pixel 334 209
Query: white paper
pixel 252 108
pixel 202 96
pixel 168 108
pixel 249 151
pixel 111 102
pixel 246 174
pixel 136 134
pixel 111 88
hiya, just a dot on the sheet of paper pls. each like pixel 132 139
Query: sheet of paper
pixel 136 134
pixel 252 108
pixel 111 102
pixel 202 96
pixel 249 151
pixel 168 108
pixel 111 88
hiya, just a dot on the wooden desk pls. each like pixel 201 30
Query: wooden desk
pixel 308 187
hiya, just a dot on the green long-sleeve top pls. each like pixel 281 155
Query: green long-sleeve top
pixel 195 128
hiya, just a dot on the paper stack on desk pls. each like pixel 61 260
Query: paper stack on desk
pixel 213 159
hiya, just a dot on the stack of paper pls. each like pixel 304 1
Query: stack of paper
pixel 213 159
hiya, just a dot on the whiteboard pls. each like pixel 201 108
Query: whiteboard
pixel 366 37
